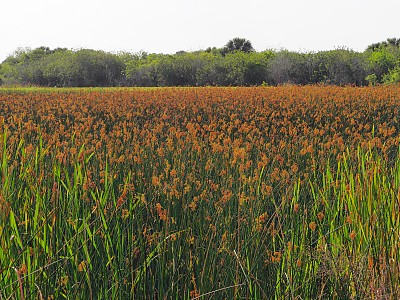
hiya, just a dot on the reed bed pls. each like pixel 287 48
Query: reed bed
pixel 200 193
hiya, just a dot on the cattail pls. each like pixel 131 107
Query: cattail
pixel 155 181
pixel 81 266
pixel 162 213
pixel 296 208
pixel 298 263
pixel 312 226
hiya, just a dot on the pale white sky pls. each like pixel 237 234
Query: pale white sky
pixel 163 26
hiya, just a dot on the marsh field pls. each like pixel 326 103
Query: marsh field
pixel 200 193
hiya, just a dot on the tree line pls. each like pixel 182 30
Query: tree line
pixel 235 64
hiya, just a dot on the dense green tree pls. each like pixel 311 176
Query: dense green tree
pixel 390 42
pixel 345 67
pixel 238 44
pixel 212 71
pixel 142 69
pixel 96 68
pixel 180 69
pixel 285 66
pixel 393 76
pixel 62 67
pixel 382 60
pixel 235 64
pixel 257 68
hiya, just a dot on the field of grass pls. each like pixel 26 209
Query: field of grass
pixel 200 193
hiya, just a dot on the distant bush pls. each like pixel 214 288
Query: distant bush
pixel 236 64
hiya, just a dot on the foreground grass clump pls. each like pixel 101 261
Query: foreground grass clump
pixel 199 193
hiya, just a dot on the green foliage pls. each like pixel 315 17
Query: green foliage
pixel 346 67
pixel 285 67
pixel 62 67
pixel 3 73
pixel 238 44
pixel 372 79
pixel 390 42
pixel 237 64
pixel 393 76
pixel 381 61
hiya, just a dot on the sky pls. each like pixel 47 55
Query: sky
pixel 168 26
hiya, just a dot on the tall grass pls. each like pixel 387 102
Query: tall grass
pixel 61 235
pixel 66 234
pixel 244 193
